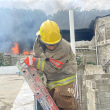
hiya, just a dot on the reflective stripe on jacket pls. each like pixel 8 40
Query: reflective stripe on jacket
pixel 61 82
pixel 59 65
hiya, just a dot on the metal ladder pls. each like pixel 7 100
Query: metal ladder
pixel 37 105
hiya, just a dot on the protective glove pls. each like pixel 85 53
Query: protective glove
pixel 27 61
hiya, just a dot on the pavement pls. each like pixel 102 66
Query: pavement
pixel 24 99
pixel 10 86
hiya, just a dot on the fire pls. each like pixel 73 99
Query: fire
pixel 26 52
pixel 15 48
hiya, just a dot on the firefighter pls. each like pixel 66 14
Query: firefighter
pixel 53 56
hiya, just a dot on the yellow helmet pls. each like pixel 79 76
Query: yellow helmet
pixel 49 33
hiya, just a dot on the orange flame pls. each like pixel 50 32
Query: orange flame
pixel 26 52
pixel 15 49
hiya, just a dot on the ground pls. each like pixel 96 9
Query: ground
pixel 10 85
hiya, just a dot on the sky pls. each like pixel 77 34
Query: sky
pixel 52 6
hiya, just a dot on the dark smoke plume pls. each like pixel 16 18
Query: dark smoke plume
pixel 19 26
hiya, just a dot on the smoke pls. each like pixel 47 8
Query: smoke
pixel 21 19
pixel 19 26
pixel 94 4
pixel 52 6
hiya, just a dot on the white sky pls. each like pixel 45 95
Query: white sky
pixel 51 6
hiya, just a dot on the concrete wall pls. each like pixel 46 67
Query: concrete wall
pixel 13 59
pixel 94 88
pixel 102 34
pixel 81 88
pixel 8 59
pixel 16 58
pixel 103 53
pixel 98 94
pixel 86 50
pixel 86 55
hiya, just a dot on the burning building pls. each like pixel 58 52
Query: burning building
pixel 14 55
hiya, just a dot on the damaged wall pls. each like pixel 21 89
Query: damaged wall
pixel 86 50
pixel 99 46
pixel 102 34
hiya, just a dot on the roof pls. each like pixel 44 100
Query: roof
pixel 92 24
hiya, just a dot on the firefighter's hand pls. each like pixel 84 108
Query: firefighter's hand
pixel 27 61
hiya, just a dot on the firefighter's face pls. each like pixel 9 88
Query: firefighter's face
pixel 51 47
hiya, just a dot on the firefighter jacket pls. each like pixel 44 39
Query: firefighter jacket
pixel 59 65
